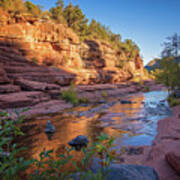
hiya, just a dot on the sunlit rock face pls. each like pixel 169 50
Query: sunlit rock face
pixel 50 44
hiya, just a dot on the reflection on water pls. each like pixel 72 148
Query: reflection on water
pixel 131 124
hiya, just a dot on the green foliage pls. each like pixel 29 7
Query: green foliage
pixel 73 16
pixel 146 88
pixel 76 19
pixel 104 94
pixel 70 95
pixel 173 101
pixel 13 166
pixel 103 149
pixel 56 12
pixel 171 46
pixel 10 164
pixel 97 30
pixel 169 73
pixel 33 9
pixel 138 80
pixel 84 100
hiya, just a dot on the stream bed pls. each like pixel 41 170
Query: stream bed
pixel 132 120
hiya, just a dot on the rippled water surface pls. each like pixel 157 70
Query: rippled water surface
pixel 131 124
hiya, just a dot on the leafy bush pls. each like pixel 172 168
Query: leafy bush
pixel 70 95
pixel 169 73
pixel 173 101
pixel 146 89
pixel 12 166
pixel 84 100
pixel 104 94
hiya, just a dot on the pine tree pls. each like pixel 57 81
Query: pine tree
pixel 33 9
pixel 57 12
pixel 76 19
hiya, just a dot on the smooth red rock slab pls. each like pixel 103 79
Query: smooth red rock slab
pixel 35 86
pixel 9 88
pixel 173 161
pixel 22 99
pixel 3 77
pixel 52 106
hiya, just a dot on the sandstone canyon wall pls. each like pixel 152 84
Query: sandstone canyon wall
pixel 39 57
pixel 57 47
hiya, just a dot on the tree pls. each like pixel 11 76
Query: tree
pixel 171 46
pixel 33 9
pixel 97 30
pixel 169 73
pixel 57 11
pixel 76 19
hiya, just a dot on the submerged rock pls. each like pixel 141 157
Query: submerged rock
pixel 49 127
pixel 79 142
pixel 125 102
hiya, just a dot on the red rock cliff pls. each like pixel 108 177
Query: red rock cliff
pixel 49 44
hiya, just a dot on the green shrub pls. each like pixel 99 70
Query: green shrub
pixel 34 60
pixel 84 100
pixel 70 95
pixel 173 101
pixel 104 94
pixel 146 88
pixel 12 166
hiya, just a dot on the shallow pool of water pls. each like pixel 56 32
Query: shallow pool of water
pixel 131 124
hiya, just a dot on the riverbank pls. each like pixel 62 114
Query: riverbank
pixel 166 141
pixel 41 104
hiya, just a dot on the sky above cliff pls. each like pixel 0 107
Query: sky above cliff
pixel 147 22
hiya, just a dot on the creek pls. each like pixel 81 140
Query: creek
pixel 133 122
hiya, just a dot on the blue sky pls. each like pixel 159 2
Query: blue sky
pixel 147 22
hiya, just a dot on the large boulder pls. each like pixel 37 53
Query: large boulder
pixel 132 172
pixel 79 142
pixel 174 161
pixel 126 172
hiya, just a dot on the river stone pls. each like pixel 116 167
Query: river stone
pixel 49 127
pixel 126 172
pixel 79 142
pixel 125 102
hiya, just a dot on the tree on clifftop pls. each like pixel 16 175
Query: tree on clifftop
pixel 33 9
pixel 171 46
pixel 76 19
pixel 57 12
